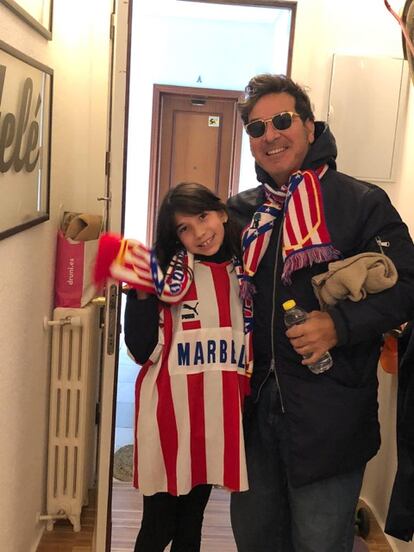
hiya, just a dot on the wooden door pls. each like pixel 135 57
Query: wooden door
pixel 196 138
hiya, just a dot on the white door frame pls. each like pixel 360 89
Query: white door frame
pixel 114 199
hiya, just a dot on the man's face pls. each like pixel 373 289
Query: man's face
pixel 280 152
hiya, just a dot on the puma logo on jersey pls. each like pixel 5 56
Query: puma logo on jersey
pixel 190 315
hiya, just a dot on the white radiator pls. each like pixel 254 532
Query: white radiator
pixel 73 398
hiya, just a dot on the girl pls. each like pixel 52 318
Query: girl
pixel 184 323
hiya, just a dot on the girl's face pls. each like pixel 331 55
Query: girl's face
pixel 201 234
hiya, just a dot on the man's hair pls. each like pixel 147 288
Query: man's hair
pixel 264 84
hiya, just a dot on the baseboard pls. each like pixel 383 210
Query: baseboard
pixel 381 523
pixel 35 546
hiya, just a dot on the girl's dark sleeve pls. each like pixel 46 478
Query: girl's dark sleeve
pixel 141 325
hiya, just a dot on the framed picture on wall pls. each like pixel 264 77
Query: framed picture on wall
pixel 25 132
pixel 36 13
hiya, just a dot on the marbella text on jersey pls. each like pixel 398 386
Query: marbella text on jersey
pixel 203 353
pixel 209 353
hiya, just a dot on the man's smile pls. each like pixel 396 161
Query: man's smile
pixel 276 151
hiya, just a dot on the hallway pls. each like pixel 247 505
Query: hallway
pixel 126 512
pixel 217 534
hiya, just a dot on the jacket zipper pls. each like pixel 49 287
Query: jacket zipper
pixel 273 362
pixel 381 244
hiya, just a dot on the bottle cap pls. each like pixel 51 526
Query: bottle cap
pixel 289 304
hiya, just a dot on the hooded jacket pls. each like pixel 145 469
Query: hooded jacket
pixel 332 417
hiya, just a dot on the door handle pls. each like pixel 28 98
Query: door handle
pixel 99 301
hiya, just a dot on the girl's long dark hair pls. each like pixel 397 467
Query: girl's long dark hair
pixel 189 198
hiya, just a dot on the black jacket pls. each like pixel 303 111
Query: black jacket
pixel 400 518
pixel 333 420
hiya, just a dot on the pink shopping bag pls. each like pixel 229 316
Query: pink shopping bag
pixel 73 275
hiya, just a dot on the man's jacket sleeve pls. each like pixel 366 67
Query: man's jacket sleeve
pixel 380 229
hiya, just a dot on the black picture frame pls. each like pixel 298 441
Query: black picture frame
pixel 30 18
pixel 26 93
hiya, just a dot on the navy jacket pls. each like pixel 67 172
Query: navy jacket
pixel 332 417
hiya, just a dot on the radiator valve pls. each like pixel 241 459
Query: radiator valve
pixel 68 320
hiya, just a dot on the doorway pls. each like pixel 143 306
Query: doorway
pixel 201 48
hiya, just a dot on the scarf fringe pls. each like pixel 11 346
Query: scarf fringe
pixel 247 288
pixel 306 257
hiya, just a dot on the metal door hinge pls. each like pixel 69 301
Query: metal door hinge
pixel 107 162
pixel 112 26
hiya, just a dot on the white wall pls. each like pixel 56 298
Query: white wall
pixel 324 27
pixel 79 56
pixel 189 40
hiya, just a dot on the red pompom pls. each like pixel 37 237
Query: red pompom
pixel 108 249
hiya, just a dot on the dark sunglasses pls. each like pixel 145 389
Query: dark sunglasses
pixel 281 121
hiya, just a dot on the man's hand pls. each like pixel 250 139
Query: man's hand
pixel 313 337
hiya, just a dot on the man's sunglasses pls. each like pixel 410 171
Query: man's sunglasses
pixel 281 121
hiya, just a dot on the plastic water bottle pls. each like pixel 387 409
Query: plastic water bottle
pixel 296 315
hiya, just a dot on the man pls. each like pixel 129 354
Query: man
pixel 308 436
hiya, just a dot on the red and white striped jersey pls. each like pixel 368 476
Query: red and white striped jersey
pixel 189 395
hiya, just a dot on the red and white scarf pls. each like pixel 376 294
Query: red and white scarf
pixel 133 263
pixel 305 238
